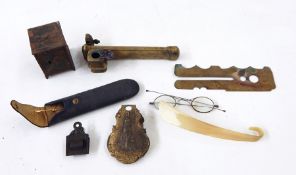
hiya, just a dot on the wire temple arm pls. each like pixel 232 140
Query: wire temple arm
pixel 218 108
pixel 165 94
pixel 156 92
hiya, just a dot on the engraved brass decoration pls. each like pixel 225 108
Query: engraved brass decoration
pixel 128 141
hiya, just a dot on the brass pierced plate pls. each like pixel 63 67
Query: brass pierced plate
pixel 248 79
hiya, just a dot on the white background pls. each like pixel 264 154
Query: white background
pixel 208 32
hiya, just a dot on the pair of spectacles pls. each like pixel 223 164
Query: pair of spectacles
pixel 199 104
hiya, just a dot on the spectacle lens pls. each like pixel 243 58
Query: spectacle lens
pixel 203 104
pixel 164 98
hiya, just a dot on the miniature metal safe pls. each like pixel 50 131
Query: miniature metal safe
pixel 50 49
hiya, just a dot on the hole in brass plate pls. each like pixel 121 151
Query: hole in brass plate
pixel 242 78
pixel 254 78
pixel 128 108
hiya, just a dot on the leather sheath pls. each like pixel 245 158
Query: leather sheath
pixel 69 107
pixel 93 99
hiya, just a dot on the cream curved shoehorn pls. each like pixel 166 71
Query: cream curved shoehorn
pixel 185 121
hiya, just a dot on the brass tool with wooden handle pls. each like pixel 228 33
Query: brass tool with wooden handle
pixel 97 56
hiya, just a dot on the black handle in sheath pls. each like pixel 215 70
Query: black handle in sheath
pixel 95 98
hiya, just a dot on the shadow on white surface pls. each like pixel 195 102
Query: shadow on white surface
pixel 151 130
pixel 77 57
pixel 94 138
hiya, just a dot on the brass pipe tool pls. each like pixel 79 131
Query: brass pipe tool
pixel 97 56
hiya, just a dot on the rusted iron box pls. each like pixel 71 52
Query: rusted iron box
pixel 50 49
